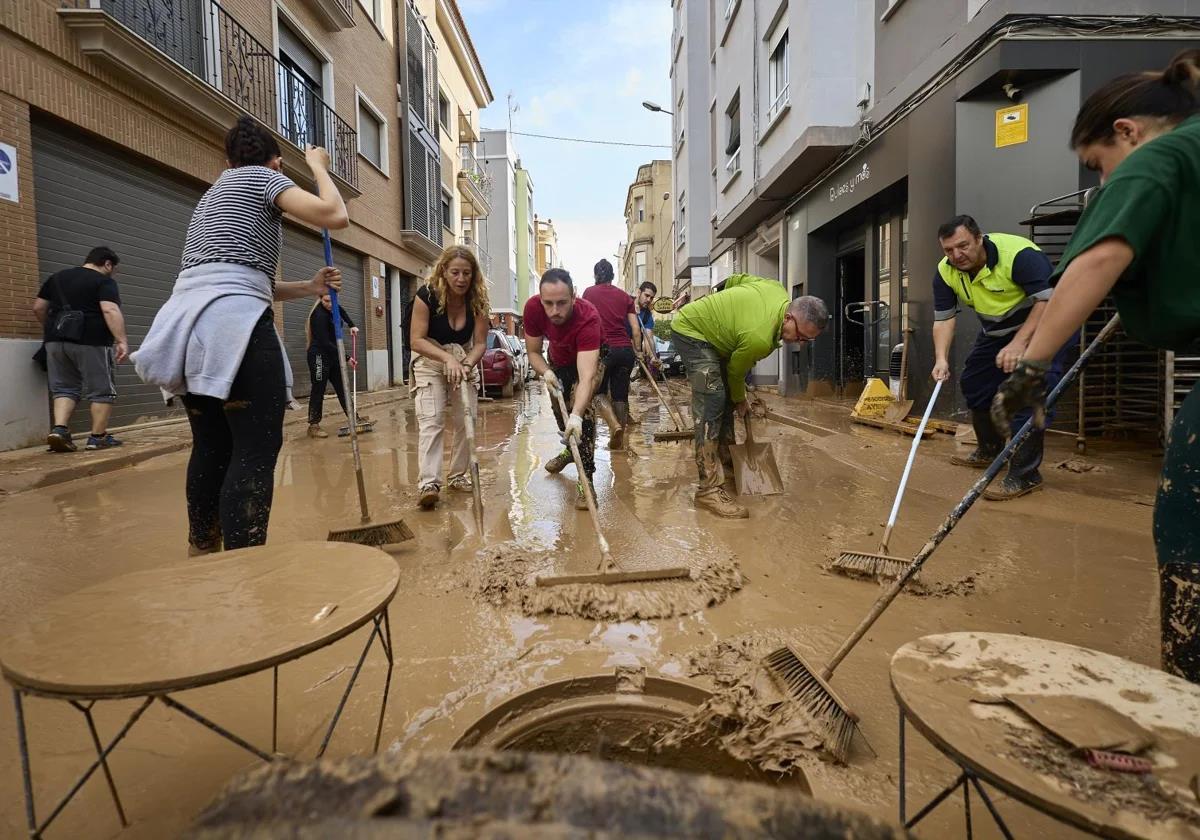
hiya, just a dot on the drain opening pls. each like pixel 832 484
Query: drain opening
pixel 611 718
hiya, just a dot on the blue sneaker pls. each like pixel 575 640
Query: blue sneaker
pixel 101 442
pixel 59 440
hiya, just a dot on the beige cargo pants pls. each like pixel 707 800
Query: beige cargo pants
pixel 431 395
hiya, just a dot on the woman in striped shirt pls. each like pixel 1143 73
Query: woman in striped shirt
pixel 214 342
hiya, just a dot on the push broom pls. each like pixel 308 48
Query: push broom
pixel 679 432
pixel 366 532
pixel 608 572
pixel 831 717
pixel 881 564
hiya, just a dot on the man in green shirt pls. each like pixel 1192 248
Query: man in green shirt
pixel 1138 239
pixel 720 337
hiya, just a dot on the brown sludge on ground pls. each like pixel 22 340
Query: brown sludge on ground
pixel 494 795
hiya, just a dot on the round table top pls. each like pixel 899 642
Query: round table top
pixel 952 687
pixel 199 622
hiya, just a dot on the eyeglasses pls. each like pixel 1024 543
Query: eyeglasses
pixel 801 338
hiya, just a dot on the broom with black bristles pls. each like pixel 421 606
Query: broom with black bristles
pixel 679 432
pixel 829 714
pixel 881 564
pixel 367 532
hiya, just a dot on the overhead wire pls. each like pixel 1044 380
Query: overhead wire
pixel 587 140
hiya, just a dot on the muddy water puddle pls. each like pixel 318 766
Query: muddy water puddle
pixel 1058 564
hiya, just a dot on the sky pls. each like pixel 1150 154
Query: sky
pixel 578 68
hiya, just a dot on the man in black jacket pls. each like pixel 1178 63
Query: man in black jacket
pixel 84 331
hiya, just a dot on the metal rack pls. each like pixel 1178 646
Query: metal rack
pixel 1128 391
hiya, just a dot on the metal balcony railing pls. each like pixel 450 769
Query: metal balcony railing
pixel 207 42
pixel 471 166
pixel 481 254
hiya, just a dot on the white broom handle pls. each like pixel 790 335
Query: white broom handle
pixel 912 454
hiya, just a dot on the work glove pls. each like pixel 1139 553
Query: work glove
pixel 574 429
pixel 551 380
pixel 1025 388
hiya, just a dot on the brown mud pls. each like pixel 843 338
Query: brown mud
pixel 1074 562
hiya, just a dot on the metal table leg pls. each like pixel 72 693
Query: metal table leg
pixel 376 631
pixel 386 638
pixel 112 786
pixel 902 767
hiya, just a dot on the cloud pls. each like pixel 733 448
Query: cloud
pixel 583 241
pixel 633 82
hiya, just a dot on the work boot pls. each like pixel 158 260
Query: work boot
pixel 315 431
pixel 1023 476
pixel 616 437
pixel 429 497
pixel 59 440
pixel 461 482
pixel 559 462
pixel 720 503
pixel 988 442
pixel 581 498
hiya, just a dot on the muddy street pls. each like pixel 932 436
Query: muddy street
pixel 1073 563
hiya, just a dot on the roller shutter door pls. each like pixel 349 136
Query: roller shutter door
pixel 301 257
pixel 89 193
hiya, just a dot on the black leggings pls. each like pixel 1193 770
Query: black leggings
pixel 323 367
pixel 618 365
pixel 231 474
pixel 569 377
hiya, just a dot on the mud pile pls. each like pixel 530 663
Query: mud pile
pixel 493 795
pixel 507 574
pixel 754 720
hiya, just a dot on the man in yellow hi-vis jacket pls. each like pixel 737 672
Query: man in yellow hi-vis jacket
pixel 1006 280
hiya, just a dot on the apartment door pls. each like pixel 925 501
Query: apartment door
pixel 301 109
pixel 853 334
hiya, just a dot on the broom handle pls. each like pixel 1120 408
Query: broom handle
pixel 469 426
pixel 336 311
pixel 605 557
pixel 675 418
pixel 972 496
pixel 912 456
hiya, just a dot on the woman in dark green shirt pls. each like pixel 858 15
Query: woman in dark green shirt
pixel 1139 239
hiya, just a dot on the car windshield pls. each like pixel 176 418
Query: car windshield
pixel 493 341
pixel 662 346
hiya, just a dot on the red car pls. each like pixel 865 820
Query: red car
pixel 499 367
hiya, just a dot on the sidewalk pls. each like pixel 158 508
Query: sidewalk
pixel 34 467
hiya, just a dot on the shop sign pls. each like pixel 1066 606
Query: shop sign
pixel 847 187
pixel 8 172
pixel 1012 125
pixel 663 305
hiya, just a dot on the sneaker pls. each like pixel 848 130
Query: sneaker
pixel 462 483
pixel 559 462
pixel 101 442
pixel 59 440
pixel 315 431
pixel 429 497
pixel 581 497
pixel 977 459
pixel 720 503
pixel 1012 488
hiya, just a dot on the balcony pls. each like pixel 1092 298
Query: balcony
pixel 474 184
pixel 335 14
pixel 466 129
pixel 196 56
pixel 481 254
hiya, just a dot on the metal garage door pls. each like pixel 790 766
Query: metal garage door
pixel 89 194
pixel 300 259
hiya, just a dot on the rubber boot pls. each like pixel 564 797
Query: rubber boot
pixel 581 499
pixel 720 503
pixel 559 462
pixel 616 438
pixel 988 442
pixel 1023 476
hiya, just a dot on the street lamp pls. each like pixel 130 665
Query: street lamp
pixel 654 106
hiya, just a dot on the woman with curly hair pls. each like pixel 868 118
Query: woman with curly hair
pixel 449 334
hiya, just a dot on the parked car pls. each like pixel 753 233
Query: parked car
pixel 499 364
pixel 670 360
pixel 525 372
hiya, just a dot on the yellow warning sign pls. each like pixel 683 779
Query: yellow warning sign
pixel 874 400
pixel 1012 125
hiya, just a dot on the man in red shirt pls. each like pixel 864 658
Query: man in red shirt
pixel 573 328
pixel 619 321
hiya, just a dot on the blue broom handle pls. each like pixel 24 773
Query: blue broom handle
pixel 333 295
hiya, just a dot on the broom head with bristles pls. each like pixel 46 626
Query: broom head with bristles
pixel 361 428
pixel 634 576
pixel 831 718
pixel 862 564
pixel 374 534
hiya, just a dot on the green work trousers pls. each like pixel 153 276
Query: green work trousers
pixel 1177 542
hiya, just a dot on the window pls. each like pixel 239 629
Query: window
pixel 639 266
pixel 447 210
pixel 733 135
pixel 547 256
pixel 443 110
pixel 681 222
pixel 730 8
pixel 639 209
pixel 374 8
pixel 777 75
pixel 372 133
pixel 301 75
pixel 884 247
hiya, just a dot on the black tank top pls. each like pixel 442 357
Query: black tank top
pixel 439 322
